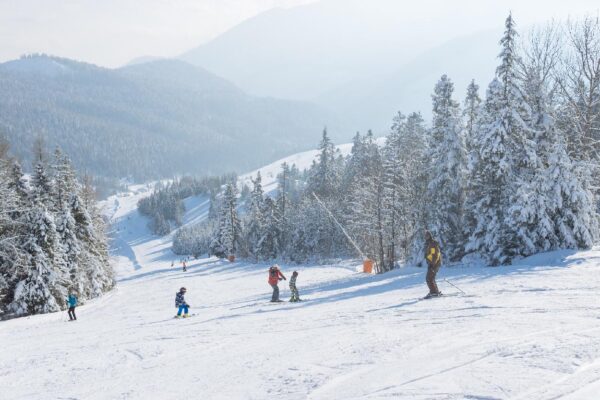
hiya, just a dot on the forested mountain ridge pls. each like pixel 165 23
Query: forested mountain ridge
pixel 149 120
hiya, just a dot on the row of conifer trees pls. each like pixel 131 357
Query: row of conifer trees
pixel 496 179
pixel 52 237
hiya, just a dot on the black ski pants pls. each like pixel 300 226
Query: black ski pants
pixel 275 296
pixel 72 315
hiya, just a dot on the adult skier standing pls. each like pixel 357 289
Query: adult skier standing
pixel 275 276
pixel 181 304
pixel 433 256
pixel 72 302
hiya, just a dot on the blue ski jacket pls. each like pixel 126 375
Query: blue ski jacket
pixel 72 300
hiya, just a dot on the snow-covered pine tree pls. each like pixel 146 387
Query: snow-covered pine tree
pixel 16 181
pixel 269 244
pixel 313 236
pixel 447 160
pixel 42 284
pixel 64 187
pixel 67 233
pixel 413 155
pixel 227 237
pixel 255 221
pixel 324 178
pixel 325 172
pixel 354 163
pixel 394 185
pixel 565 212
pixel 367 211
pixel 489 181
pixel 12 205
pixel 286 188
pixel 213 208
pixel 42 189
pixel 65 181
pixel 505 164
pixel 471 113
pixel 94 257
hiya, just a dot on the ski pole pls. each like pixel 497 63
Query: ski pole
pixel 447 281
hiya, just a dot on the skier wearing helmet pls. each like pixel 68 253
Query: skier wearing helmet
pixel 275 276
pixel 181 304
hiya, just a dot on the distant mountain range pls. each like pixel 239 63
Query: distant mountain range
pixel 149 120
pixel 364 60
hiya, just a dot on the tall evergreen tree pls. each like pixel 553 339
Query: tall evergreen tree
pixel 505 163
pixel 414 161
pixel 227 237
pixel 563 212
pixel 367 211
pixel 325 171
pixel 269 244
pixel 41 186
pixel 471 111
pixel 447 160
pixel 256 216
pixel 471 115
pixel 42 286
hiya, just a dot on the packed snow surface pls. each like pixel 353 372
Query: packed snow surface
pixel 529 331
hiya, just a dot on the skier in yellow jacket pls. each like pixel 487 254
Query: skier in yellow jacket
pixel 433 256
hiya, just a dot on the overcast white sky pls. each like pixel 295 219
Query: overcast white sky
pixel 112 32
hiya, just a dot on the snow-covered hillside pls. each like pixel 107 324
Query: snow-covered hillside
pixel 301 160
pixel 523 332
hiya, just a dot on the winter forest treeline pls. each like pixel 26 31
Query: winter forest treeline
pixel 165 206
pixel 52 237
pixel 495 179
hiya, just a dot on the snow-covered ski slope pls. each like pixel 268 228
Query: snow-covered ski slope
pixel 530 331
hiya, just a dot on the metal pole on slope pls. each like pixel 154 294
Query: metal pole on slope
pixel 447 281
pixel 340 226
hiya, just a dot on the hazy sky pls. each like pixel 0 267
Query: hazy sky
pixel 112 32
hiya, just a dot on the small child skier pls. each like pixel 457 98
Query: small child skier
pixel 72 302
pixel 293 289
pixel 181 304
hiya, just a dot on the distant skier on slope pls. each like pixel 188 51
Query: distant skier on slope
pixel 275 276
pixel 72 302
pixel 433 256
pixel 181 304
pixel 184 266
pixel 293 289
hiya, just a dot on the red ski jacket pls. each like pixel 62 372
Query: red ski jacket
pixel 275 275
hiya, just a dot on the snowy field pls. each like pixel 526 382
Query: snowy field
pixel 531 331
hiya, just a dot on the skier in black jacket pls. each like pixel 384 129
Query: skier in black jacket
pixel 181 304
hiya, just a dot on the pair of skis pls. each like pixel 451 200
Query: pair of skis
pixel 444 295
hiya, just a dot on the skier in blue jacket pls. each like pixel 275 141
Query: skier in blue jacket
pixel 181 304
pixel 72 302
